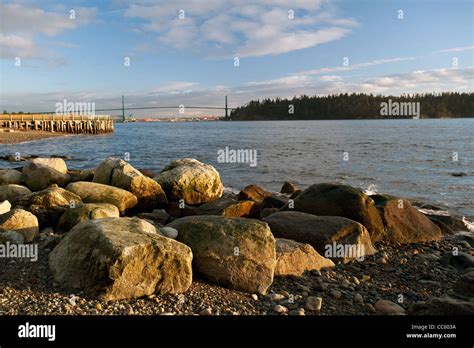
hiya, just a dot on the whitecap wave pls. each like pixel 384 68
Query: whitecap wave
pixel 469 224
pixel 371 190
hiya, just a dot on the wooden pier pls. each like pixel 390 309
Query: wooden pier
pixel 60 123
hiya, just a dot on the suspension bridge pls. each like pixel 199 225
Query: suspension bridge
pixel 83 123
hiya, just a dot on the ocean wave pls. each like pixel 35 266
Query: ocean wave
pixel 371 190
pixel 469 224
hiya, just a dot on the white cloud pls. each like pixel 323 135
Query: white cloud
pixel 245 29
pixel 191 93
pixel 20 24
pixel 456 49
pixel 333 69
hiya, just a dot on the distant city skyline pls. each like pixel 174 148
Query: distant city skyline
pixel 197 52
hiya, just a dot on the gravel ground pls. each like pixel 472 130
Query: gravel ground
pixel 412 271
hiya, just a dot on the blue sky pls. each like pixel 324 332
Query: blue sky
pixel 190 60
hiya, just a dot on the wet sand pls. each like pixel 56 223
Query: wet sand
pixel 22 136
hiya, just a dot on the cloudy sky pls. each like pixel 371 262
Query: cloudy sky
pixel 194 52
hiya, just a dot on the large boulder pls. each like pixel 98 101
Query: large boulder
pixel 48 205
pixel 295 258
pixel 404 223
pixel 445 306
pixel 121 258
pixel 334 237
pixel 91 192
pixel 84 212
pixel 39 173
pixel 233 252
pixel 340 200
pixel 229 207
pixel 116 172
pixel 12 192
pixel 10 176
pixel 191 180
pixel 20 221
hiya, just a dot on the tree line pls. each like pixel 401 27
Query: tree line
pixel 355 106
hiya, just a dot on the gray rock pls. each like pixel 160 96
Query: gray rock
pixel 84 212
pixel 13 192
pixel 333 237
pixel 121 258
pixel 313 303
pixel 39 173
pixel 11 237
pixel 91 192
pixel 234 252
pixel 20 221
pixel 190 180
pixel 116 172
pixel 295 258
pixel 10 176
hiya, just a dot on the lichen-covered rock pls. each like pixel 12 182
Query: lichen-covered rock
pixel 121 258
pixel 403 223
pixel 333 237
pixel 10 176
pixel 91 192
pixel 295 258
pixel 340 200
pixel 116 172
pixel 84 212
pixel 191 180
pixel 12 192
pixel 48 205
pixel 39 173
pixel 233 252
pixel 20 221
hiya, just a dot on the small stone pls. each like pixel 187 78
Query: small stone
pixel 370 308
pixel 335 293
pixel 280 309
pixel 284 293
pixel 345 283
pixel 206 311
pixel 313 303
pixel 169 232
pixel 302 288
pixel 358 298
pixel 255 297
pixel 355 280
pixel 388 307
pixel 275 297
pixel 403 261
pixel 98 306
pixel 299 311
pixel 382 260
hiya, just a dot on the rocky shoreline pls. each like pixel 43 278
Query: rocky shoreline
pixel 115 240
